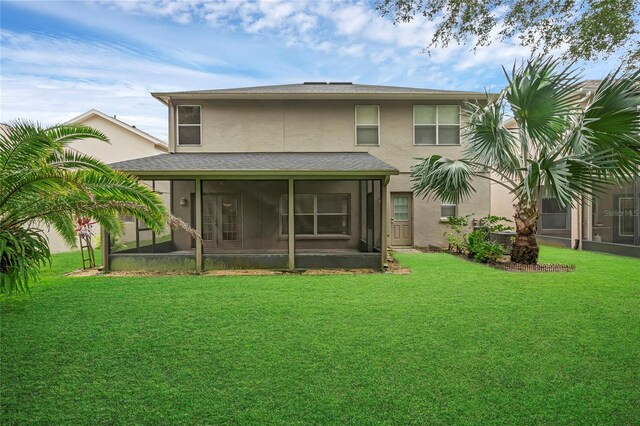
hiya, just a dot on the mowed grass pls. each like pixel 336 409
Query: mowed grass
pixel 452 343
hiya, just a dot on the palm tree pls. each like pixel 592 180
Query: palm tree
pixel 563 148
pixel 44 183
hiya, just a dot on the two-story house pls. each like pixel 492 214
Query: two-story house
pixel 313 175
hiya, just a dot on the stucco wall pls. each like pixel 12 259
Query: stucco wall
pixel 310 126
pixel 329 126
pixel 501 201
pixel 428 230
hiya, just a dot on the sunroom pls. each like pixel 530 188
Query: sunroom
pixel 240 204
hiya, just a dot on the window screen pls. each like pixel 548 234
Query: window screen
pixel 436 124
pixel 367 125
pixel 189 125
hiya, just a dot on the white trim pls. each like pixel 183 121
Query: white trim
pixel 355 120
pixel 437 125
pixel 187 125
pixel 159 144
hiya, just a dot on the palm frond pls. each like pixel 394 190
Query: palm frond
pixel 610 127
pixel 45 183
pixel 442 178
pixel 488 141
pixel 542 94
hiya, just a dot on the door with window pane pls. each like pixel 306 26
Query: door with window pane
pixel 221 221
pixel 401 219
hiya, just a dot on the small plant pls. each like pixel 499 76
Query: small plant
pixel 476 244
pixel 479 245
pixel 457 236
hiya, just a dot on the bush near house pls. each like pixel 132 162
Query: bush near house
pixel 476 243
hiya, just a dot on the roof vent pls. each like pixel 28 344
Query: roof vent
pixel 340 82
pixel 315 82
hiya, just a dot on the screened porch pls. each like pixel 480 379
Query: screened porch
pixel 246 222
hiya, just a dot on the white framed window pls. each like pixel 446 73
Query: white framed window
pixel 367 125
pixel 436 124
pixel 189 119
pixel 317 214
pixel 448 210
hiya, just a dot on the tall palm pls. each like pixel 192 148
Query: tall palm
pixel 44 183
pixel 565 146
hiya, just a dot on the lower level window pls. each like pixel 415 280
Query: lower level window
pixel 554 217
pixel 448 210
pixel 317 214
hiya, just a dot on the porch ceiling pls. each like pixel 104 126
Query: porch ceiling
pixel 262 163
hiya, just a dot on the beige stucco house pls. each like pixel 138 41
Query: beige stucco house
pixel 337 155
pixel 126 142
pixel 608 222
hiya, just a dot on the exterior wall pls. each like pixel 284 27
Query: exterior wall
pixel 310 126
pixel 125 145
pixel 329 126
pixel 501 201
pixel 428 229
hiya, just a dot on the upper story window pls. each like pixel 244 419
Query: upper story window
pixel 367 125
pixel 436 125
pixel 189 125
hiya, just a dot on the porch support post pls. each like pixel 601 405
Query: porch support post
pixel 199 263
pixel 105 248
pixel 384 220
pixel 291 224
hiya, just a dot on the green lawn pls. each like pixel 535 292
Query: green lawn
pixel 454 342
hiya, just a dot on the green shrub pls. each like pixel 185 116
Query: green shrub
pixel 479 245
pixel 476 244
pixel 456 238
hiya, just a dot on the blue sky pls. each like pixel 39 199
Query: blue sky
pixel 60 59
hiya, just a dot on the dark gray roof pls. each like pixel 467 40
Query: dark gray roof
pixel 259 162
pixel 320 88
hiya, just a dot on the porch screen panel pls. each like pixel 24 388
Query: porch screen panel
pixel 243 217
pixel 615 215
pixel 178 197
pixel 332 215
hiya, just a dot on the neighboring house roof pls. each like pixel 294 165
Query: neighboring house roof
pixel 263 162
pixel 590 84
pixel 159 144
pixel 319 90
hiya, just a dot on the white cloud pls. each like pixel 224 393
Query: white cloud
pixel 187 45
pixel 52 80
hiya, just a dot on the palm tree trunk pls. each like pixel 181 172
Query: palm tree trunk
pixel 525 247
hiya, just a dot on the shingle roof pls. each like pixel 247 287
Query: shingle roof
pixel 342 88
pixel 318 90
pixel 258 162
